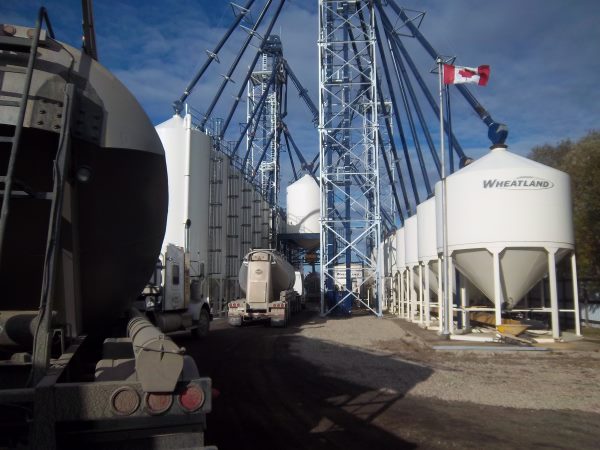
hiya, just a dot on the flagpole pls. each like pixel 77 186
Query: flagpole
pixel 445 307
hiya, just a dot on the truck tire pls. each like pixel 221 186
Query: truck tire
pixel 203 325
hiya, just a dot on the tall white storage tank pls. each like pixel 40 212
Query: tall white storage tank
pixel 427 241
pixel 400 250
pixel 401 275
pixel 303 206
pixel 508 211
pixel 187 153
pixel 411 251
pixel 411 241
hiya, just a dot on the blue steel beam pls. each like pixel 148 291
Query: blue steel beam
pixel 407 109
pixel 402 76
pixel 497 132
pixel 303 93
pixel 178 104
pixel 250 70
pixel 391 179
pixel 257 108
pixel 289 149
pixel 301 158
pixel 411 174
pixel 227 77
pixel 400 50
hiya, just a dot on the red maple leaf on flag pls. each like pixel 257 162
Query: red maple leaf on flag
pixel 466 73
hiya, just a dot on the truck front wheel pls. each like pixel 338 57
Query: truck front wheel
pixel 203 324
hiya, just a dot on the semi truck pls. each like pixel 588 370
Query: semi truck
pixel 84 207
pixel 267 280
pixel 173 298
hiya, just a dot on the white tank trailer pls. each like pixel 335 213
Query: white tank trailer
pixel 509 222
pixel 87 152
pixel 266 281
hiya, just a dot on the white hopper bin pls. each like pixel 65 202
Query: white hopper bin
pixel 509 220
pixel 411 251
pixel 303 206
pixel 303 209
pixel 401 273
pixel 428 256
pixel 432 261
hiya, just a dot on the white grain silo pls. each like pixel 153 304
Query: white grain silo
pixel 411 251
pixel 303 203
pixel 401 274
pixel 509 221
pixel 428 257
pixel 187 153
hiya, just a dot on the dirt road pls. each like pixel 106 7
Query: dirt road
pixel 288 389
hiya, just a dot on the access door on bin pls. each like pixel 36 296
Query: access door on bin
pixel 259 278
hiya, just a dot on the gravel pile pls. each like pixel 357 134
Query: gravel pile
pixel 379 354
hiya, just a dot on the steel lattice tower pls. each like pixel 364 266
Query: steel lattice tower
pixel 349 155
pixel 264 144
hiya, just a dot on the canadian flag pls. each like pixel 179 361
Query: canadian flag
pixel 459 75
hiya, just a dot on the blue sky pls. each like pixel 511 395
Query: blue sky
pixel 543 56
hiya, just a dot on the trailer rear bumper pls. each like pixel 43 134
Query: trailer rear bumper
pixel 234 321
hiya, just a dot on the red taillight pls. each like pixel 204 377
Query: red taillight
pixel 233 305
pixel 158 403
pixel 192 398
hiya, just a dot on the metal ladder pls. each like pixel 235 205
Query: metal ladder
pixel 44 332
pixel 10 43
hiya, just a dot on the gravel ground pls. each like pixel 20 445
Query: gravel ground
pixel 525 380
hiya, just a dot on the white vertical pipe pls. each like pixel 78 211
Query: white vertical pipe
pixel 407 298
pixel 444 271
pixel 450 295
pixel 421 294
pixel 398 292
pixel 427 295
pixel 553 292
pixel 575 295
pixel 497 287
pixel 464 303
pixel 187 121
pixel 440 301
pixel 411 296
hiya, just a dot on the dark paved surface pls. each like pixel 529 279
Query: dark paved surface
pixel 270 398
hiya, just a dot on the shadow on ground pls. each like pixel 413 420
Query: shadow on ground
pixel 271 396
pixel 280 390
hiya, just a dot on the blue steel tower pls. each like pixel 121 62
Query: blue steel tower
pixel 349 155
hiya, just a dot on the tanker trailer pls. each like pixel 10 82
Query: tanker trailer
pixel 266 279
pixel 84 204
